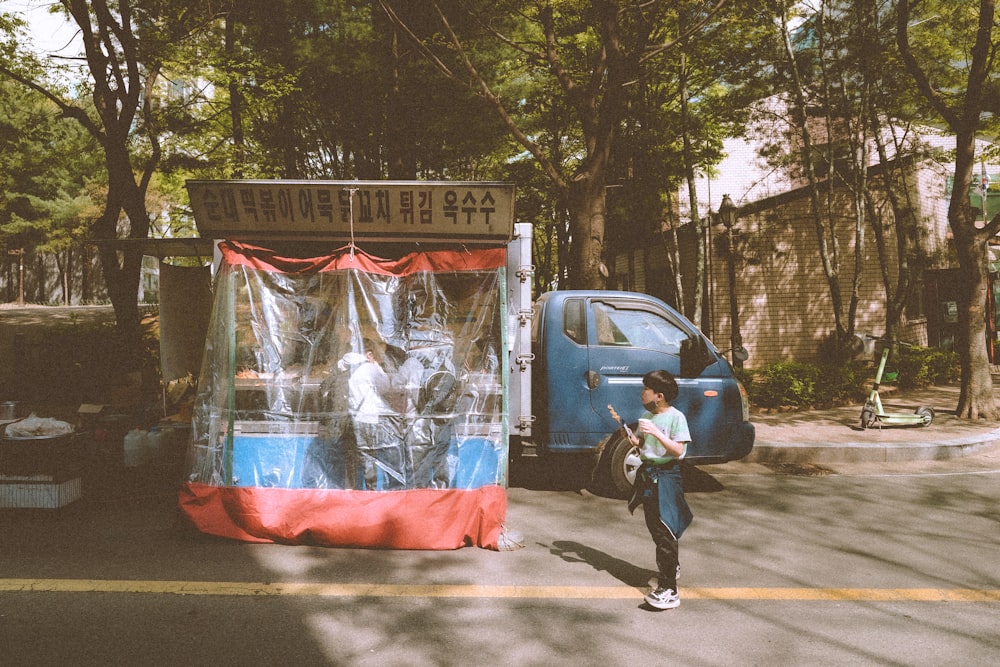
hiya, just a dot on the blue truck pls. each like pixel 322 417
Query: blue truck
pixel 578 358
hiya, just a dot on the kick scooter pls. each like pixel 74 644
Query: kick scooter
pixel 872 414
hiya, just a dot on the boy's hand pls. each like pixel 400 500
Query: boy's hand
pixel 647 427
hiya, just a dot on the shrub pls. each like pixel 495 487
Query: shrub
pixel 785 383
pixel 944 365
pixel 804 385
pixel 836 351
pixel 841 384
pixel 923 366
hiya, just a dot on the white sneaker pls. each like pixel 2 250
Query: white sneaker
pixel 663 598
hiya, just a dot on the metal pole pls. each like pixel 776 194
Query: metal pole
pixel 727 211
pixel 735 339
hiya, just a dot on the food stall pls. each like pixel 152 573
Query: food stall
pixel 348 398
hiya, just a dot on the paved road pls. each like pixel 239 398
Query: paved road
pixel 857 565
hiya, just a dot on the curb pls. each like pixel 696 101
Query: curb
pixel 866 452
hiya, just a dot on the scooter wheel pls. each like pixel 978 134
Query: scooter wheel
pixel 927 413
pixel 867 417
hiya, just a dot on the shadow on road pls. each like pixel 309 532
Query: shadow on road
pixel 573 473
pixel 563 473
pixel 623 571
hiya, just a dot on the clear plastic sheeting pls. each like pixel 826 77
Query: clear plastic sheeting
pixel 355 373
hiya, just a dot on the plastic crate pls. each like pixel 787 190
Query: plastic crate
pixel 39 495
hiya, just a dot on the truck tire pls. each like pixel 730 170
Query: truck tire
pixel 615 471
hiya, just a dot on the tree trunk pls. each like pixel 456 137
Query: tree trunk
pixel 122 281
pixel 86 275
pixel 827 243
pixel 400 156
pixel 975 399
pixel 587 220
pixel 701 249
pixel 235 101
pixel 63 266
pixel 121 276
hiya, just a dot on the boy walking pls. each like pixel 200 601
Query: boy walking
pixel 662 438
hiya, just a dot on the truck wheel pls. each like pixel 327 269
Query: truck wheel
pixel 614 474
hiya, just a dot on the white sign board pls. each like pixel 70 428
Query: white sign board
pixel 468 212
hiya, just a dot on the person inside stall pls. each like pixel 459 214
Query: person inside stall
pixel 376 430
pixel 332 459
pixel 429 378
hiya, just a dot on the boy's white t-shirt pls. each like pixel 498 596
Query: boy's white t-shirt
pixel 674 424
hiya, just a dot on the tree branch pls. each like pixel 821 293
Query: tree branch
pixel 517 46
pixel 913 67
pixel 68 110
pixel 483 91
pixel 427 53
pixel 654 51
pixel 552 53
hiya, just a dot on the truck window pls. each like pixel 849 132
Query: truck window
pixel 626 327
pixel 574 324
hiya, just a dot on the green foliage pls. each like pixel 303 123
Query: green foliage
pixel 924 366
pixel 791 384
pixel 803 385
pixel 840 384
pixel 785 383
pixel 48 163
pixel 328 89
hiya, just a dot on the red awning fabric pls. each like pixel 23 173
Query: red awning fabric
pixel 434 261
pixel 432 519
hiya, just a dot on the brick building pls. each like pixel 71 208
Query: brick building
pixel 783 296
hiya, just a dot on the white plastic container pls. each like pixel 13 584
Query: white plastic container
pixel 136 448
pixel 156 442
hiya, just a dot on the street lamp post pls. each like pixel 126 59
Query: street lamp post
pixel 727 212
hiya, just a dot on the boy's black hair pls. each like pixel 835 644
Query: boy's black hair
pixel 662 382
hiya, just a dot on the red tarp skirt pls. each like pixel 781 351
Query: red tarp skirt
pixel 436 519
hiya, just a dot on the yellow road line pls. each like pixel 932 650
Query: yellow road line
pixel 238 588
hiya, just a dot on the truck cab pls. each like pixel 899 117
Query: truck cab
pixel 591 350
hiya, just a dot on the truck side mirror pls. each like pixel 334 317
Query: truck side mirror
pixel 695 356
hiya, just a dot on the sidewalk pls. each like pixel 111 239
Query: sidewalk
pixel 836 436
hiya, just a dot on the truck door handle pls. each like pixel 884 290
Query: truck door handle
pixel 593 379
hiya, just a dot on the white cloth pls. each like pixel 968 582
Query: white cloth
pixel 366 388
